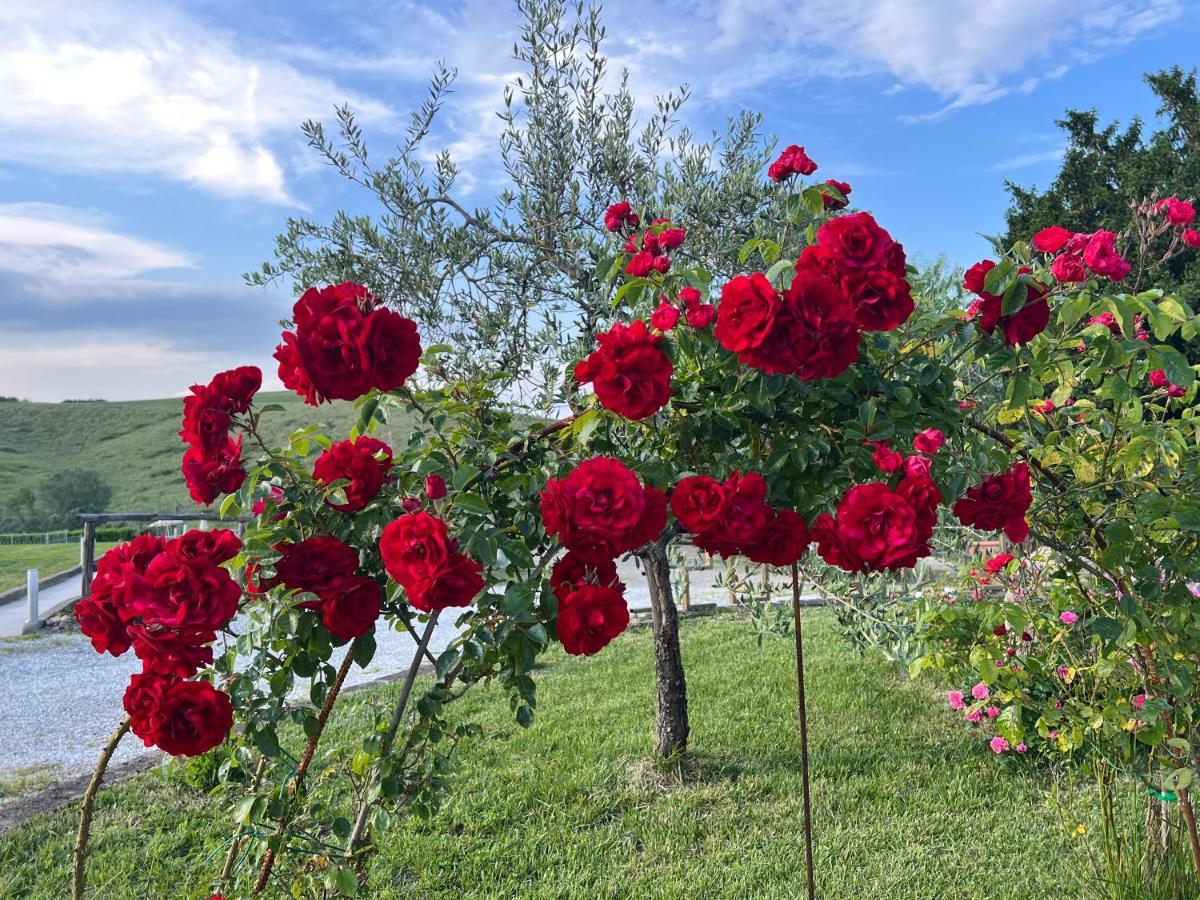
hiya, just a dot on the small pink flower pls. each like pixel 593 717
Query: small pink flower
pixel 980 691
pixel 929 441
pixel 998 744
pixel 1068 618
pixel 1063 671
pixel 1021 748
pixel 955 699
pixel 992 712
pixel 974 717
pixel 1053 735
pixel 1139 700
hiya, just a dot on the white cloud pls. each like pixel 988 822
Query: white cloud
pixel 1023 160
pixel 107 87
pixel 45 240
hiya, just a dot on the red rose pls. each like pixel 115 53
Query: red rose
pixel 209 476
pixel 349 609
pixel 391 348
pixel 876 529
pixel 882 301
pixel 141 701
pixel 601 503
pixel 996 564
pixel 792 161
pixel 590 618
pixel 165 651
pixel 629 370
pixel 998 503
pixel 921 491
pixel 701 316
pixel 781 542
pixel 435 487
pixel 456 583
pixel 237 387
pixel 832 202
pixel 316 564
pixel 857 242
pixel 1158 379
pixel 698 502
pixel 749 306
pixel 191 718
pixel 975 277
pixel 100 620
pixel 665 317
pixel 577 569
pixel 1178 212
pixel 619 216
pixel 217 546
pixel 822 262
pixel 329 339
pixel 744 515
pixel 929 441
pixel 824 314
pixel 188 594
pixel 915 466
pixel 363 461
pixel 291 369
pixel 884 457
pixel 1101 256
pixel 640 264
pixel 1028 322
pixel 689 296
pixel 206 421
pixel 671 238
pixel 1191 237
pixel 1052 239
pixel 1067 268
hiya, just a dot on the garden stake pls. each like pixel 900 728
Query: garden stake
pixel 79 864
pixel 302 769
pixel 364 807
pixel 808 855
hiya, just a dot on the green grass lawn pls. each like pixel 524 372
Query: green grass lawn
pixel 906 803
pixel 46 558
pixel 134 445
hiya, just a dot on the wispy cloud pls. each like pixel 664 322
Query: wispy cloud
pixel 108 88
pixel 1024 160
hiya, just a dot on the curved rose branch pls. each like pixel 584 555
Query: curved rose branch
pixel 79 862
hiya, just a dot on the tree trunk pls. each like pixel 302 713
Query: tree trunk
pixel 672 714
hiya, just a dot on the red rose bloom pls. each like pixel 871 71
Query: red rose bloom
pixel 1178 212
pixel 749 306
pixel 701 316
pixel 885 458
pixel 363 461
pixel 577 569
pixel 630 371
pixel 191 718
pixel 316 564
pixel 601 504
pixel 420 555
pixel 640 264
pixel 350 609
pixel 291 369
pixel 792 161
pixel 781 542
pixel 917 465
pixel 1027 322
pixel 996 564
pixel 1101 256
pixel 876 529
pixel 1191 237
pixel 665 317
pixel 100 620
pixel 1067 268
pixel 188 594
pixel 165 651
pixel 1052 239
pixel 619 216
pixel 929 441
pixel 590 618
pixel 209 476
pixel 456 583
pixel 435 487
pixel 237 387
pixel 698 502
pixel 391 348
pixel 1158 379
pixel 141 700
pixel 217 546
pixel 843 188
pixel 857 242
pixel 998 503
pixel 882 301
pixel 921 491
pixel 744 515
pixel 823 315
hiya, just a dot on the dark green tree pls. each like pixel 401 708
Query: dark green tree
pixel 64 496
pixel 1106 168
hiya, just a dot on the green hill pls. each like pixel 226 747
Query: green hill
pixel 135 446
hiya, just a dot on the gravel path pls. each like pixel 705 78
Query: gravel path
pixel 61 700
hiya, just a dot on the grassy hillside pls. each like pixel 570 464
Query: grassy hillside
pixel 135 445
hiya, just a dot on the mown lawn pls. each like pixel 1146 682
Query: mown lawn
pixel 46 558
pixel 906 804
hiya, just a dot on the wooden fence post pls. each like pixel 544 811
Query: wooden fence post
pixel 88 558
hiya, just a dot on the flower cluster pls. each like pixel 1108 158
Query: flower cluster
pixel 213 462
pixel 878 528
pixel 599 511
pixel 362 462
pixel 699 314
pixel 620 216
pixel 852 280
pixel 999 502
pixel 1159 379
pixel 1019 327
pixel 792 161
pixel 345 344
pixel 1079 254
pixel 650 251
pixel 167 600
pixel 323 566
pixel 629 370
pixel 734 518
pixel 419 553
pixel 832 202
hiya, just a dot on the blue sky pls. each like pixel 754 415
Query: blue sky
pixel 149 152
